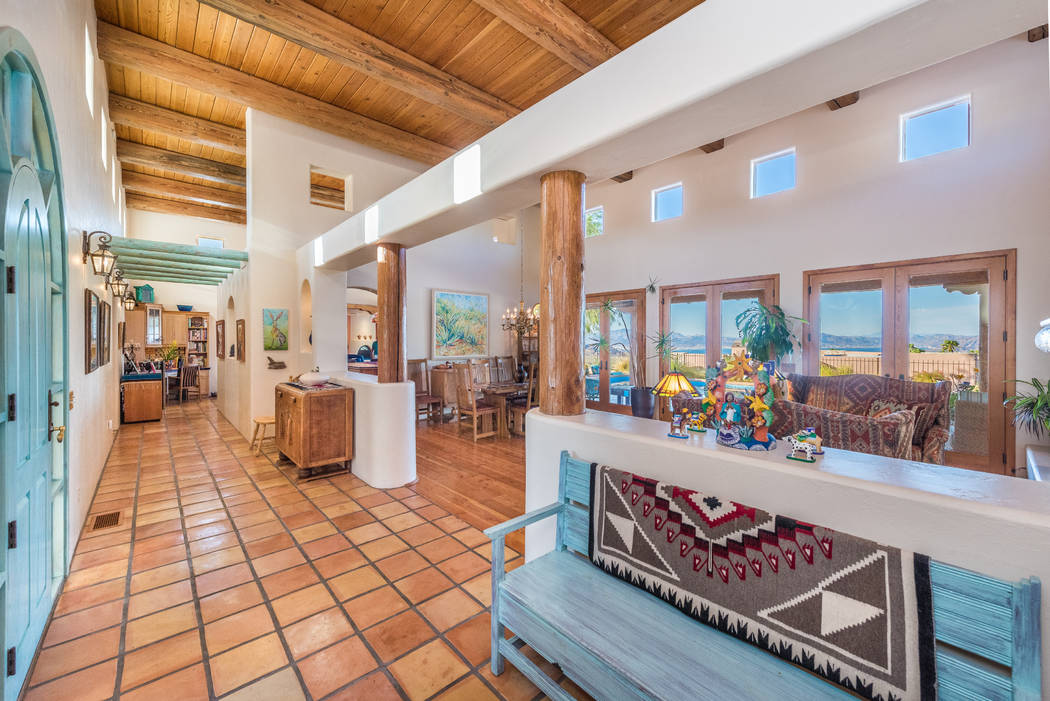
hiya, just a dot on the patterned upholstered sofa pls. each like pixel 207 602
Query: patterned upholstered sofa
pixel 869 413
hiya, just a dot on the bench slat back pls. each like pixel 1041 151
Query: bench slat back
pixel 987 630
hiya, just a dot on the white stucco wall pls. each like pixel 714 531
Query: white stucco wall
pixel 854 203
pixel 55 31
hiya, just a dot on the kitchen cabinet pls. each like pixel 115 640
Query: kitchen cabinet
pixel 141 399
pixel 154 329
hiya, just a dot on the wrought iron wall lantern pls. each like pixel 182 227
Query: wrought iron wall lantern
pixel 102 259
pixel 129 300
pixel 117 284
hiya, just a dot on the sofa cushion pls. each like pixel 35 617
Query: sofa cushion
pixel 881 406
pixel 889 436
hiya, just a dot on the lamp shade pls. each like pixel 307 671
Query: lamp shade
pixel 672 383
pixel 1042 336
pixel 102 260
pixel 129 303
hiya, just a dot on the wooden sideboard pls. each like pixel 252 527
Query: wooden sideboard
pixel 314 426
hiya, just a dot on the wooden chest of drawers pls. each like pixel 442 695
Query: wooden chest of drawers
pixel 314 426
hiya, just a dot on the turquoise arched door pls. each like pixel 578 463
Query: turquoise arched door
pixel 33 357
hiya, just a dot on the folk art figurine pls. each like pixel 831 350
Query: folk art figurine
pixel 679 424
pixel 804 445
pixel 739 403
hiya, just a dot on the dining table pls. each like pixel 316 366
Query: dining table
pixel 498 394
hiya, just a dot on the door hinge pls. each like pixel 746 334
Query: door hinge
pixel 1004 337
pixel 809 290
pixel 1004 458
pixel 1004 397
pixel 10 662
pixel 12 407
pixel 10 279
pixel 12 535
pixel 1006 275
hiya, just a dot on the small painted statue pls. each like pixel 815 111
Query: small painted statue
pixel 679 424
pixel 804 445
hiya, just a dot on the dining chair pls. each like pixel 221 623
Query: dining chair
pixel 427 404
pixel 519 407
pixel 481 371
pixel 505 368
pixel 468 405
pixel 189 381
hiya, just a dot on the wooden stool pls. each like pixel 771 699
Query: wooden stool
pixel 261 422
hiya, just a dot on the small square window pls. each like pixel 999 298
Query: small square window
pixel 330 189
pixel 667 202
pixel 935 129
pixel 209 242
pixel 773 173
pixel 594 222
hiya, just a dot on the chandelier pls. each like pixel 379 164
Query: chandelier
pixel 522 321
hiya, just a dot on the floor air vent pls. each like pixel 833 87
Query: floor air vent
pixel 106 520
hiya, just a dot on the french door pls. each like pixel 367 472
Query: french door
pixel 946 319
pixel 699 319
pixel 614 349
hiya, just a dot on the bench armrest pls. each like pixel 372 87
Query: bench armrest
pixel 501 530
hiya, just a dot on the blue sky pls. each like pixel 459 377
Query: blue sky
pixel 931 310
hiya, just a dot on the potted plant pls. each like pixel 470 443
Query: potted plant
pixel 642 402
pixel 1032 409
pixel 170 354
pixel 767 332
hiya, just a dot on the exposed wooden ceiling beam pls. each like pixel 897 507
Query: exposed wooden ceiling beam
pixel 135 270
pixel 623 177
pixel 150 257
pixel 133 113
pixel 136 262
pixel 559 30
pixel 844 101
pixel 714 146
pixel 142 245
pixel 119 46
pixel 327 197
pixel 302 23
pixel 152 185
pixel 181 163
pixel 155 204
pixel 1038 33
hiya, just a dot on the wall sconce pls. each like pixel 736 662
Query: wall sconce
pixel 102 259
pixel 129 301
pixel 117 284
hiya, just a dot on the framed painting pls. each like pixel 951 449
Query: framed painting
pixel 90 332
pixel 105 340
pixel 459 325
pixel 220 338
pixel 240 340
pixel 275 329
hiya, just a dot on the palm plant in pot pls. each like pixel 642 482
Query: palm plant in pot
pixel 633 365
pixel 767 332
pixel 1032 408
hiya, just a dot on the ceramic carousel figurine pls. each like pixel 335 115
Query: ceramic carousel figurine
pixel 679 424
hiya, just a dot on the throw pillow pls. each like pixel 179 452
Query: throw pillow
pixel 884 407
pixel 925 417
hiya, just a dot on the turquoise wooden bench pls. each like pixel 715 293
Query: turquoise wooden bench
pixel 599 629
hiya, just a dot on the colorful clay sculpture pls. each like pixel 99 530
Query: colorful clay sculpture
pixel 679 424
pixel 804 445
pixel 739 402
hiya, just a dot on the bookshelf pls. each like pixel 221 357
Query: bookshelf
pixel 197 339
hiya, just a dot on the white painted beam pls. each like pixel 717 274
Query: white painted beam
pixel 721 68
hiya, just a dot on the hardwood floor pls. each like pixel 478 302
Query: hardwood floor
pixel 483 483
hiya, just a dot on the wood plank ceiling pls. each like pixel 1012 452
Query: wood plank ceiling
pixel 419 78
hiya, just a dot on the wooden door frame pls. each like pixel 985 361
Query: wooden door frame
pixel 713 290
pixel 638 297
pixel 1007 327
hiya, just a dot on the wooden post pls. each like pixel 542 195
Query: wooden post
pixel 561 296
pixel 390 319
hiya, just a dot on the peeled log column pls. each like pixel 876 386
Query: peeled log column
pixel 390 312
pixel 561 296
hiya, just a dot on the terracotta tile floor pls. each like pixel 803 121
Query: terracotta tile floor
pixel 228 578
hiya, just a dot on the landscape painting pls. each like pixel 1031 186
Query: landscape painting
pixel 275 329
pixel 460 324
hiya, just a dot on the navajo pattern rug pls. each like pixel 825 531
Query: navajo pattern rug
pixel 857 613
